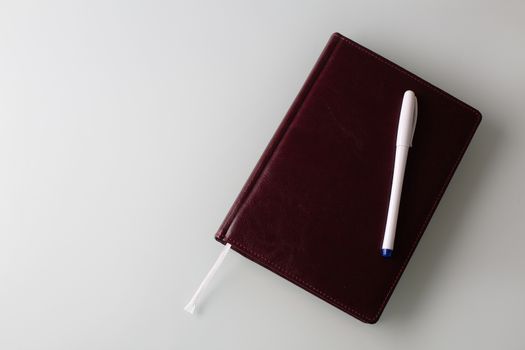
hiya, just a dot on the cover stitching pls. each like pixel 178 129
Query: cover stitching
pixel 296 278
pixel 320 66
pixel 407 73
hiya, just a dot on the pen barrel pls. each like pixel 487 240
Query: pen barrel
pixel 395 197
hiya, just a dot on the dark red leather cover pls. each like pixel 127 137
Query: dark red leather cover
pixel 314 208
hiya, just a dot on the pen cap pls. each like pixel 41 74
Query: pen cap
pixel 407 119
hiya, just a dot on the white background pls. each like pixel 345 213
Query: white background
pixel 128 128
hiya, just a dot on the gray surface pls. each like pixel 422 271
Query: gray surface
pixel 127 129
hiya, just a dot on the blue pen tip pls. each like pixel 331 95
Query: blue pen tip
pixel 386 253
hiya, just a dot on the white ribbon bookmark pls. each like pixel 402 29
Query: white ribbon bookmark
pixel 193 301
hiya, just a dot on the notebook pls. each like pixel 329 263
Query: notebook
pixel 313 210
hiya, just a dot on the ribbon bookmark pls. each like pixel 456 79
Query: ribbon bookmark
pixel 193 301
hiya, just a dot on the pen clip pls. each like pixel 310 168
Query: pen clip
pixel 414 121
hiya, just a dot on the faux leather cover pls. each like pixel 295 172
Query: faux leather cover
pixel 315 206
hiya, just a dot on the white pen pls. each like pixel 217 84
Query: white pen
pixel 405 133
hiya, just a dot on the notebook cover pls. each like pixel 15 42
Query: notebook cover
pixel 314 208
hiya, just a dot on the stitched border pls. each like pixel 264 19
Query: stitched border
pixel 298 280
pixel 410 75
pixel 325 56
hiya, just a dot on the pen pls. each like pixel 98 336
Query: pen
pixel 405 133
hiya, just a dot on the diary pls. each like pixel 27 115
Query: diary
pixel 313 210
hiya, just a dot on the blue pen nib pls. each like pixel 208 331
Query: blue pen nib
pixel 386 253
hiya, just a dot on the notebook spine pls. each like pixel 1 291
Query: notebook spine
pixel 330 47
